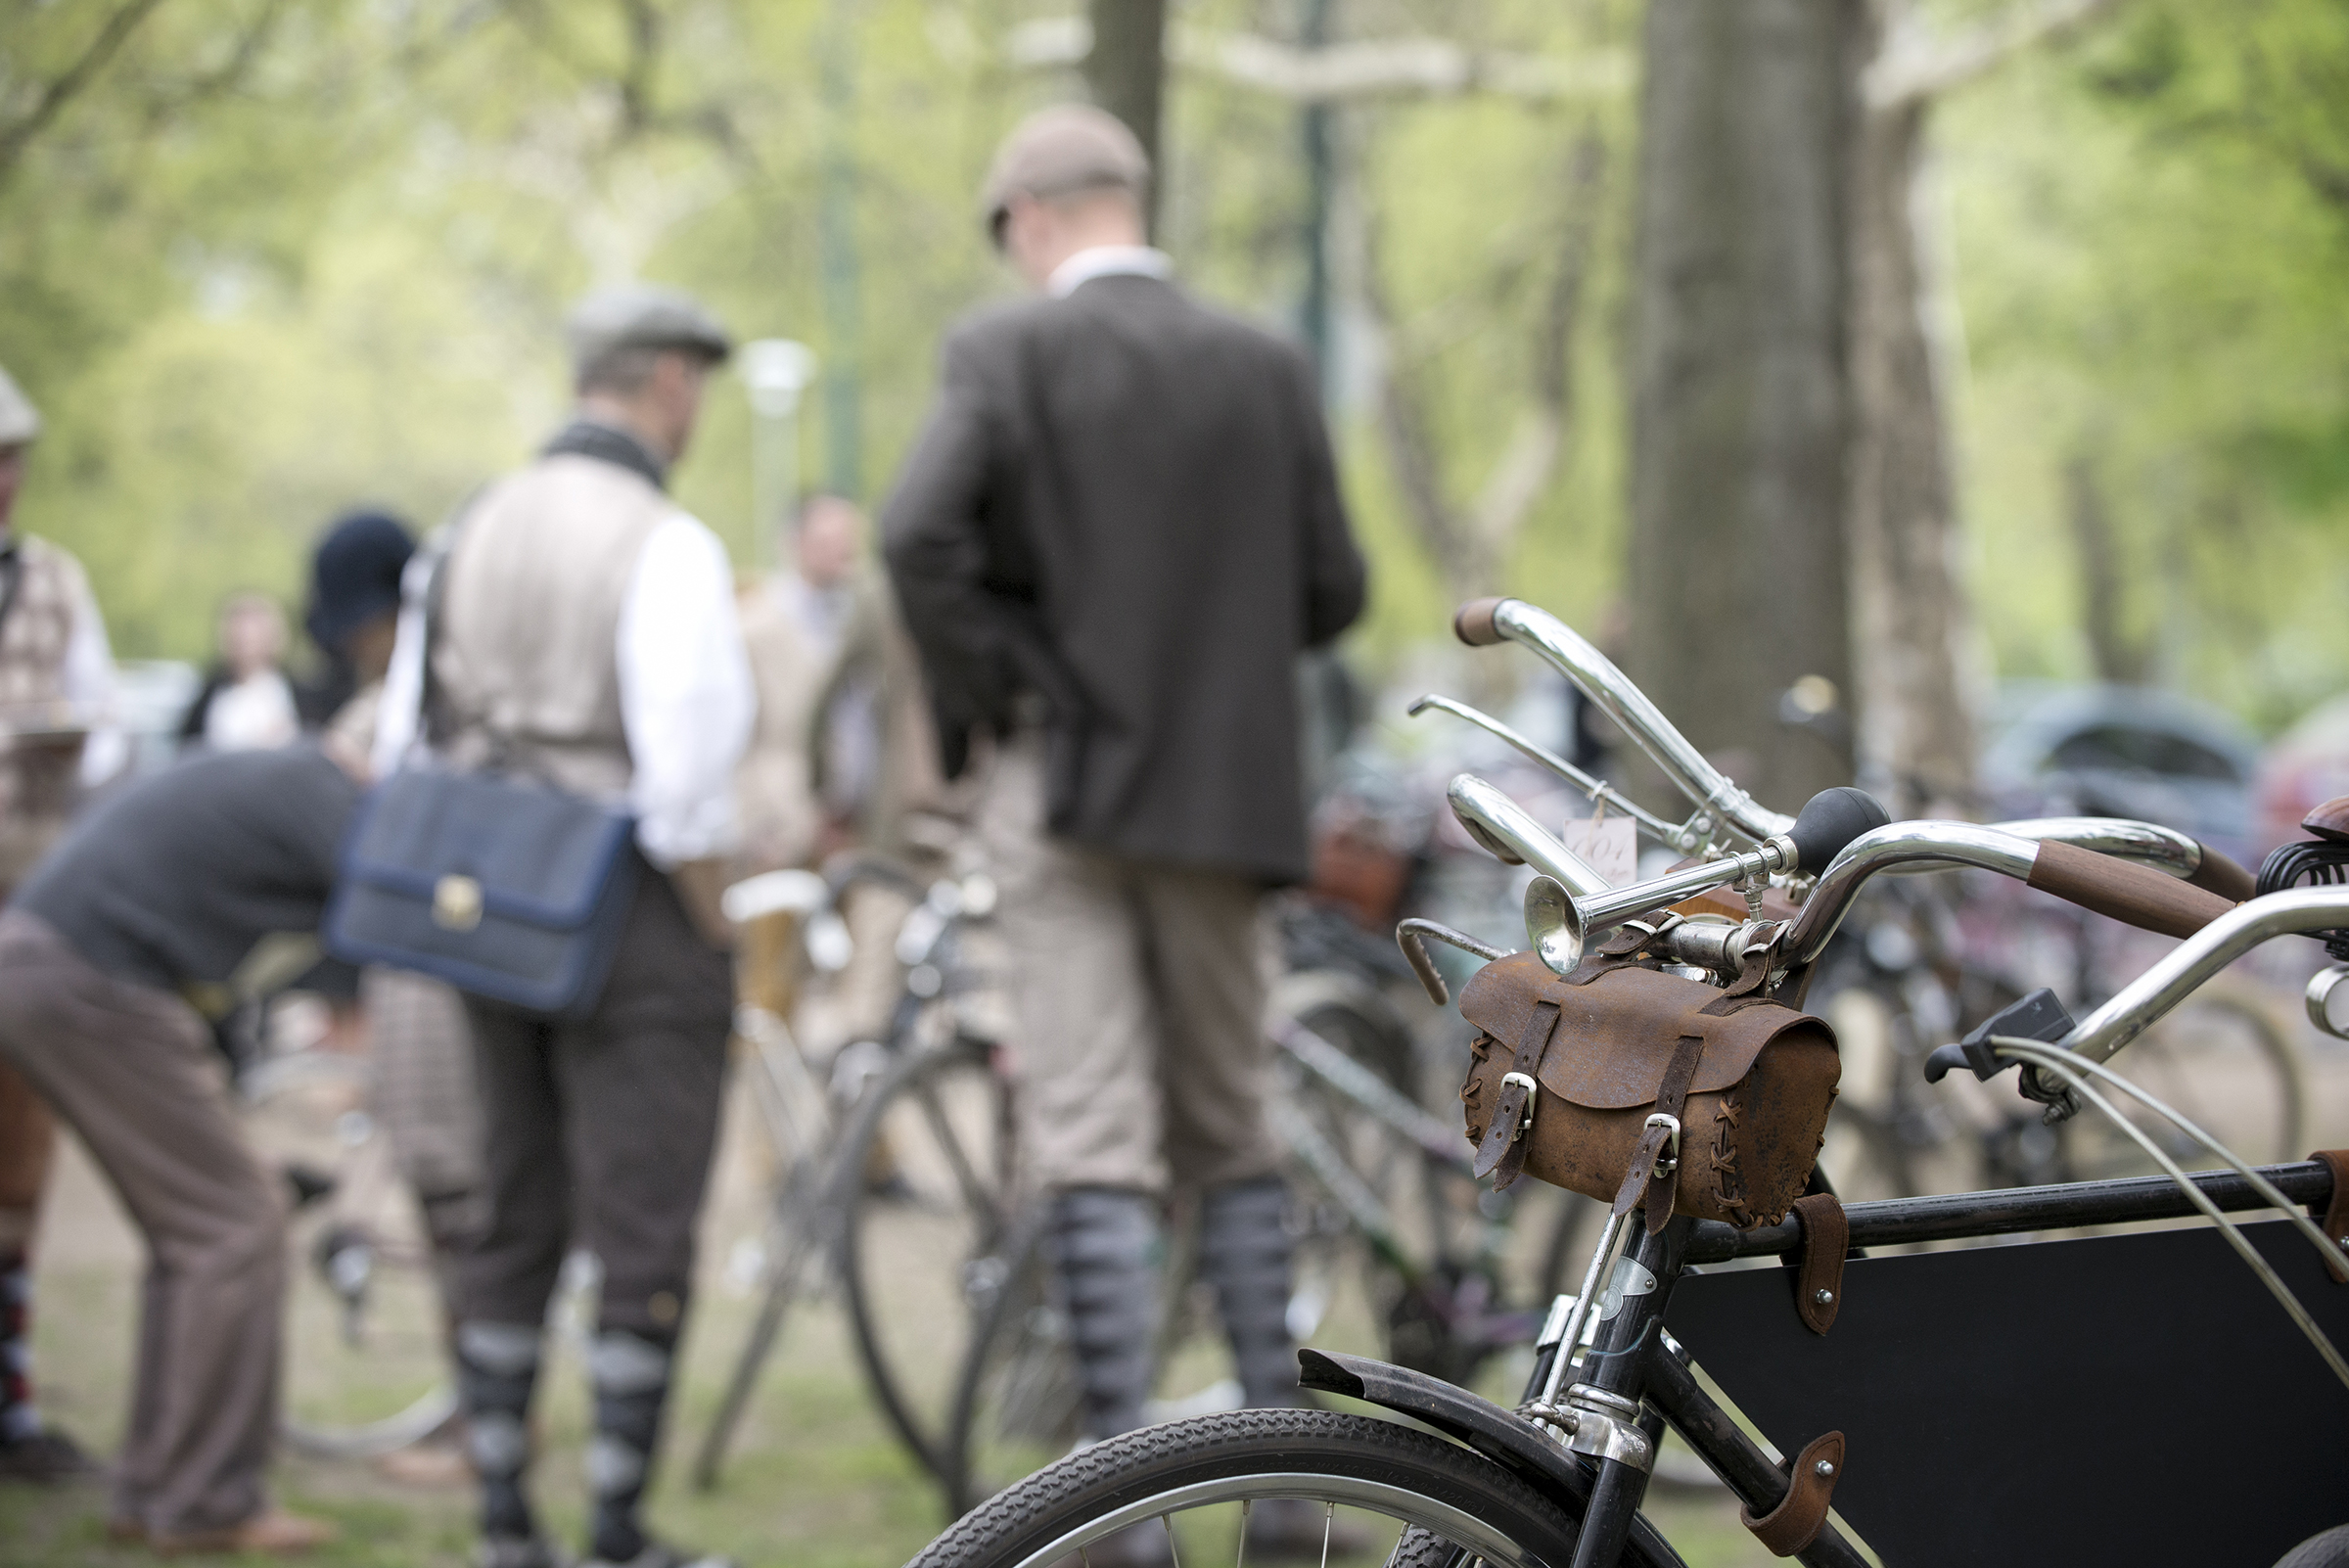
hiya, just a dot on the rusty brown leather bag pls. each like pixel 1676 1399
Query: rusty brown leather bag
pixel 1753 1080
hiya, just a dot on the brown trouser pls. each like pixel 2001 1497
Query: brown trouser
pixel 28 1144
pixel 1140 1060
pixel 133 1071
pixel 598 1130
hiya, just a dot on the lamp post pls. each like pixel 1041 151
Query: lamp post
pixel 777 370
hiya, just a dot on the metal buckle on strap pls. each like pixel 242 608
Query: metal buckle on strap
pixel 1669 1159
pixel 1526 1122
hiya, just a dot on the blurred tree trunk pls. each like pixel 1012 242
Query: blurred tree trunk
pixel 1126 72
pixel 1916 697
pixel 1912 616
pixel 1741 396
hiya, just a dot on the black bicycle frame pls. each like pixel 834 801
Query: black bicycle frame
pixel 1634 1359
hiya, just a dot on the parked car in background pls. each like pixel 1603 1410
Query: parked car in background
pixel 2123 751
pixel 2306 766
pixel 152 695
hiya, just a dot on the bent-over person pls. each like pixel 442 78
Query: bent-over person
pixel 168 885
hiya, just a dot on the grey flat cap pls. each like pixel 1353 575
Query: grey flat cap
pixel 1058 151
pixel 639 315
pixel 19 421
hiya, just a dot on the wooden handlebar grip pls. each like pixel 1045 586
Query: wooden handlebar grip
pixel 2223 876
pixel 2135 894
pixel 1473 624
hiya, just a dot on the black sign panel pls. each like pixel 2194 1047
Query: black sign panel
pixel 2135 1399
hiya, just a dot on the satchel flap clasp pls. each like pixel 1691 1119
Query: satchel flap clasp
pixel 456 903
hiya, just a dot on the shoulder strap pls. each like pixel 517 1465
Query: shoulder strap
pixel 12 577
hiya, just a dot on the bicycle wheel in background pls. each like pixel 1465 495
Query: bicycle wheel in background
pixel 2222 1060
pixel 1407 1242
pixel 926 1167
pixel 1017 1397
pixel 1297 1484
pixel 365 1365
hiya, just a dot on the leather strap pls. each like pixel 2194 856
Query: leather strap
pixel 1753 968
pixel 1619 951
pixel 1826 1233
pixel 1501 1155
pixel 1794 1523
pixel 2335 1222
pixel 1643 1183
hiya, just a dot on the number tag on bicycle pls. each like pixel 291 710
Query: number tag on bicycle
pixel 1610 846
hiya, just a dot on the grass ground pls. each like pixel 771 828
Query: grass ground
pixel 816 1480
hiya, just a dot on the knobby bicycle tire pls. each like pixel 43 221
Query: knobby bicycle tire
pixel 1411 1478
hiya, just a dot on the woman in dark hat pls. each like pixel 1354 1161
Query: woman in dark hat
pixel 355 607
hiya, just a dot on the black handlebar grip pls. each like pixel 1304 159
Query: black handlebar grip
pixel 1473 624
pixel 1831 819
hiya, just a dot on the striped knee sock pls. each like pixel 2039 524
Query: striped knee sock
pixel 630 1376
pixel 497 1364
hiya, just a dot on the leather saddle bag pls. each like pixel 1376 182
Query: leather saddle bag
pixel 1749 1079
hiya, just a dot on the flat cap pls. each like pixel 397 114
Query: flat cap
pixel 19 421
pixel 1057 152
pixel 639 315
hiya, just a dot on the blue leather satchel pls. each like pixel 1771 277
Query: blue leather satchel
pixel 501 886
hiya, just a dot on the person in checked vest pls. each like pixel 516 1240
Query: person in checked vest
pixel 56 698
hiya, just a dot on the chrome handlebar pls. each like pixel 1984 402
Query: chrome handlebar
pixel 1503 827
pixel 2140 1003
pixel 2163 849
pixel 1595 789
pixel 1942 843
pixel 1611 691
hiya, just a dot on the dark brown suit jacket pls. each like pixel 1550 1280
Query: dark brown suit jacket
pixel 1125 503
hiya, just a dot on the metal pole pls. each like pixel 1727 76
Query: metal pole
pixel 777 370
pixel 1318 177
pixel 835 232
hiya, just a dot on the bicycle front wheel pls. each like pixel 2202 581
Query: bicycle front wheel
pixel 1252 1485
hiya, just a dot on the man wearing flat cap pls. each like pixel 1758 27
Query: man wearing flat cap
pixel 1118 531
pixel 57 684
pixel 584 633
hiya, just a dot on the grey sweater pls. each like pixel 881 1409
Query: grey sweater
pixel 177 877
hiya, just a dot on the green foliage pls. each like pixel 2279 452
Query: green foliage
pixel 281 256
pixel 2152 269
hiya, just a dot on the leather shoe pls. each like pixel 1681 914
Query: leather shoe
pixel 48 1458
pixel 273 1531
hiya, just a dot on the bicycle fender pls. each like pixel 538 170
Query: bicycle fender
pixel 1500 1434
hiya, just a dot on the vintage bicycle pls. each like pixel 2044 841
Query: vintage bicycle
pixel 2133 1398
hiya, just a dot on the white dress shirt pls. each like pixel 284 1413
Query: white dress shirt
pixel 1107 262
pixel 685 696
